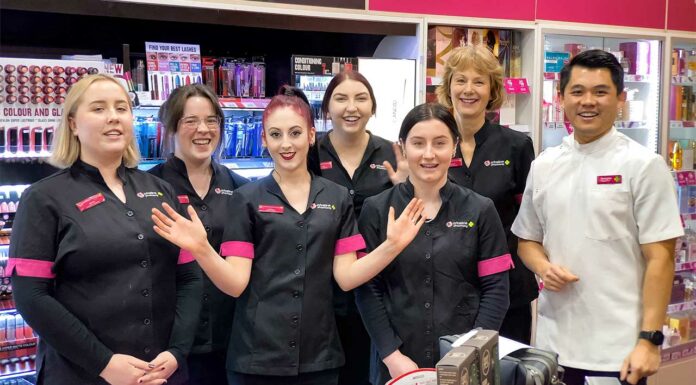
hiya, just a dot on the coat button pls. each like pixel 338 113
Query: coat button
pixel 141 237
pixel 427 354
pixel 427 305
pixel 427 280
pixel 292 344
pixel 146 350
pixel 295 294
pixel 145 292
pixel 300 224
pixel 207 229
pixel 427 255
pixel 143 264
pixel 297 271
pixel 206 297
pixel 427 233
pixel 299 247
pixel 147 321
pixel 204 208
pixel 427 332
pixel 130 213
pixel 351 192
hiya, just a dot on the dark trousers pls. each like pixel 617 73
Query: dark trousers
pixel 575 376
pixel 356 347
pixel 207 368
pixel 517 324
pixel 325 377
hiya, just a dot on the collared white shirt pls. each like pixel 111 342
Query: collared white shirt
pixel 592 206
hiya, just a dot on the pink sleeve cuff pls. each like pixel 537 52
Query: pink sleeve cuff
pixel 29 268
pixel 185 257
pixel 237 249
pixel 352 243
pixel 495 265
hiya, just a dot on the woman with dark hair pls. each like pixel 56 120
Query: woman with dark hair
pixel 492 160
pixel 453 276
pixel 353 157
pixel 192 119
pixel 288 235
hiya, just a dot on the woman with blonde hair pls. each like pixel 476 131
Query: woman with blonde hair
pixel 112 301
pixel 492 160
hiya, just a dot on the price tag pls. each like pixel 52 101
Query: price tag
pixel 516 86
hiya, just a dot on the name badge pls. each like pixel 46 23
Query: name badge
pixel 90 202
pixel 183 199
pixel 271 209
pixel 609 179
pixel 456 162
pixel 326 165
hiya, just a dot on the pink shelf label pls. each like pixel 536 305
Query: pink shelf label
pixel 516 86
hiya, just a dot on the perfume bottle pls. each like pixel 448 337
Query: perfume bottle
pixel 676 156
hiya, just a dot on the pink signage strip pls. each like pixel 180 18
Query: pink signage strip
pixel 500 9
pixel 630 13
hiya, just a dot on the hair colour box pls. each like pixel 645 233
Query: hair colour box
pixel 460 366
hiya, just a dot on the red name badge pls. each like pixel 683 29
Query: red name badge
pixel 325 165
pixel 183 199
pixel 90 202
pixel 271 209
pixel 456 162
pixel 609 179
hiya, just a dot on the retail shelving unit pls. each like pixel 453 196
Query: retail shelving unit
pixel 640 52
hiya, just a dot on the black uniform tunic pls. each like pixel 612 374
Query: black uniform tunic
pixel 215 320
pixel 284 321
pixel 451 278
pixel 370 178
pixel 498 171
pixel 93 278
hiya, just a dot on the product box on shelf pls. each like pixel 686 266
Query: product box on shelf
pixel 31 98
pixel 170 65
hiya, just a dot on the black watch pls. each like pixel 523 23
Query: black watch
pixel 654 336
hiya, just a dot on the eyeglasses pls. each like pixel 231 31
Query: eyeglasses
pixel 192 122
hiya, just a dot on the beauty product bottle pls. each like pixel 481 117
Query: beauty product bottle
pixel 335 66
pixel 139 76
pixel 676 156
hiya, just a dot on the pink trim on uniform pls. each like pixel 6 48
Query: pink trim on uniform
pixel 237 249
pixel 185 257
pixel 495 265
pixel 361 254
pixel 518 198
pixel 29 268
pixel 352 243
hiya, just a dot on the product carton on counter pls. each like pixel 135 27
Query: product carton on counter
pixel 460 366
pixel 486 344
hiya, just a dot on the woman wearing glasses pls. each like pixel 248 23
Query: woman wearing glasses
pixel 192 119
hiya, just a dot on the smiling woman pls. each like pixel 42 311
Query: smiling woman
pixel 86 229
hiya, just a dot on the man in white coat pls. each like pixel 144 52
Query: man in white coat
pixel 597 225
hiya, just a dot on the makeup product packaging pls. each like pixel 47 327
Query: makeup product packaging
pixel 486 344
pixel 554 61
pixel 460 366
pixel 638 55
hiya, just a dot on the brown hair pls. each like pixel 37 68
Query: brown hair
pixel 481 59
pixel 172 111
pixel 340 78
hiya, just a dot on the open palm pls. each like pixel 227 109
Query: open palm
pixel 187 234
pixel 402 230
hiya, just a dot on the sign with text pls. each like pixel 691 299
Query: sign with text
pixel 631 13
pixel 516 86
pixel 492 9
pixel 171 65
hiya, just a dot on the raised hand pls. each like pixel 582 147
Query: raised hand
pixel 187 234
pixel 403 230
pixel 401 173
